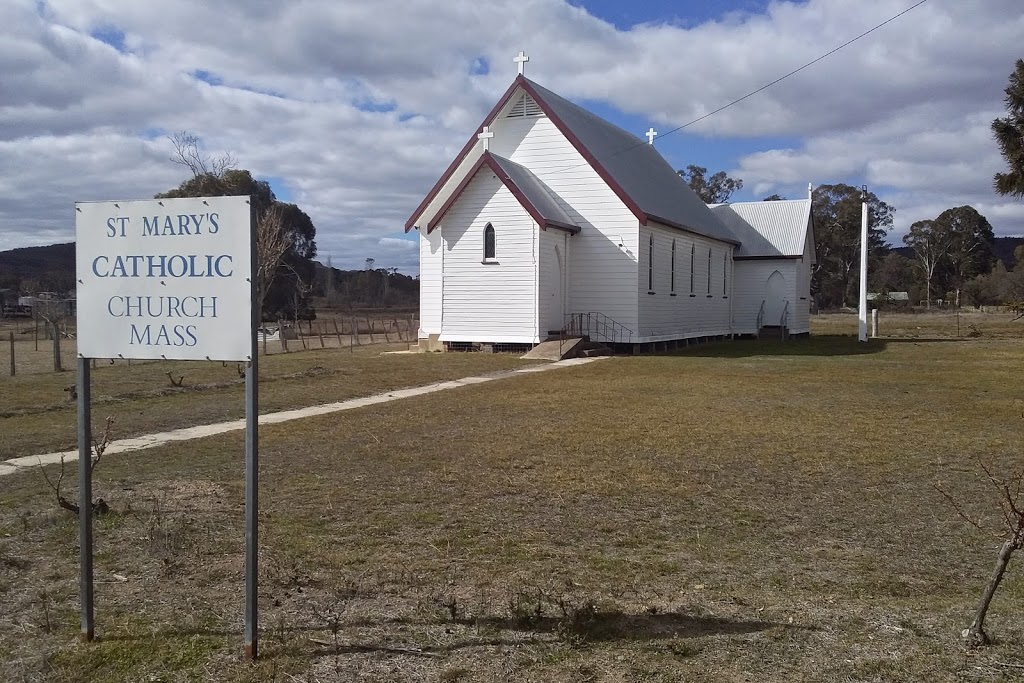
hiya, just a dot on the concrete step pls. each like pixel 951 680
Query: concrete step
pixel 596 351
pixel 556 350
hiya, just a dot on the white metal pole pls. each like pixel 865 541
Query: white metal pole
pixel 862 327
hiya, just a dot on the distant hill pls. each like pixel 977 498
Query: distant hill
pixel 1003 246
pixel 53 266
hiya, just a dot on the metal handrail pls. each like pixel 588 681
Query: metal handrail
pixel 598 327
pixel 760 316
pixel 784 320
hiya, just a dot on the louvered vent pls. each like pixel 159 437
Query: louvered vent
pixel 526 106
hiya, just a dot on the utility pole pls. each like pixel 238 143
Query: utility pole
pixel 862 323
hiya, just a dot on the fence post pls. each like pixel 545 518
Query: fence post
pixel 12 354
pixel 398 329
pixel 280 329
pixel 56 349
pixel 337 332
pixel 384 324
pixel 35 322
pixel 355 332
pixel 369 323
pixel 320 333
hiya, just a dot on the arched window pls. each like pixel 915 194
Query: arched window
pixel 709 270
pixel 693 252
pixel 650 263
pixel 489 242
pixel 672 286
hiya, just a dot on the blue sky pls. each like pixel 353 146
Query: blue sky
pixel 354 118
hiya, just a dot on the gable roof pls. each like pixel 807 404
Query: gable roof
pixel 532 194
pixel 633 169
pixel 775 229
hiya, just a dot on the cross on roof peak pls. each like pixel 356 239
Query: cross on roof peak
pixel 521 59
pixel 485 136
pixel 651 135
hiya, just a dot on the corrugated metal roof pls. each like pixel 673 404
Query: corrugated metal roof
pixel 777 228
pixel 536 192
pixel 638 168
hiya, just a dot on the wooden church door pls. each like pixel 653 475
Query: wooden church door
pixel 774 299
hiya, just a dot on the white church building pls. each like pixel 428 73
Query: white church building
pixel 552 220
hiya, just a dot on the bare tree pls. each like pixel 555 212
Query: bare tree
pixel 930 241
pixel 1011 535
pixel 99 447
pixel 271 244
pixel 188 153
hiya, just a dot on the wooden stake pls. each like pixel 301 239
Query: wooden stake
pixel 12 354
pixel 284 342
pixel 369 323
pixel 337 332
pixel 320 332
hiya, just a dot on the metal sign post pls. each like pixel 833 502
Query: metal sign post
pixel 167 279
pixel 85 498
pixel 252 466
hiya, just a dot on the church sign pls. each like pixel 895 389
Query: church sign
pixel 164 279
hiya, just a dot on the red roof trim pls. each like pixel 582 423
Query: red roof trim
pixel 585 153
pixel 487 160
pixel 521 81
pixel 461 155
pixel 766 258
pixel 458 190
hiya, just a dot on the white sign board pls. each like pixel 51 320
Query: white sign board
pixel 165 278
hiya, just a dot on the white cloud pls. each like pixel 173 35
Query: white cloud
pixel 907 108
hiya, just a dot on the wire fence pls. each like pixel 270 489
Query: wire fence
pixel 30 347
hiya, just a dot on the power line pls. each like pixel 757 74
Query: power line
pixel 767 85
pixel 799 69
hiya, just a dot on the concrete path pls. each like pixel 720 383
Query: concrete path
pixel 152 440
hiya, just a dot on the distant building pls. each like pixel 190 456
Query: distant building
pixel 889 296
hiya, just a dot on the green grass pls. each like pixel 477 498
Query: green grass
pixel 734 512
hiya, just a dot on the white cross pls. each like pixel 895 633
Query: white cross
pixel 521 59
pixel 650 135
pixel 485 136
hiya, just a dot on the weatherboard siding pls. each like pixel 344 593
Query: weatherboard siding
pixel 489 302
pixel 688 314
pixel 602 275
pixel 751 289
pixel 431 267
pixel 802 304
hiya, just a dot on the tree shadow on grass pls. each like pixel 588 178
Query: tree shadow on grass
pixel 580 627
pixel 594 627
pixel 825 345
pixel 603 625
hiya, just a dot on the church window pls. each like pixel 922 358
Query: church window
pixel 672 285
pixel 489 242
pixel 709 270
pixel 650 264
pixel 693 252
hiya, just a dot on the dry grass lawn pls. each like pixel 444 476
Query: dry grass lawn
pixel 36 415
pixel 737 512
